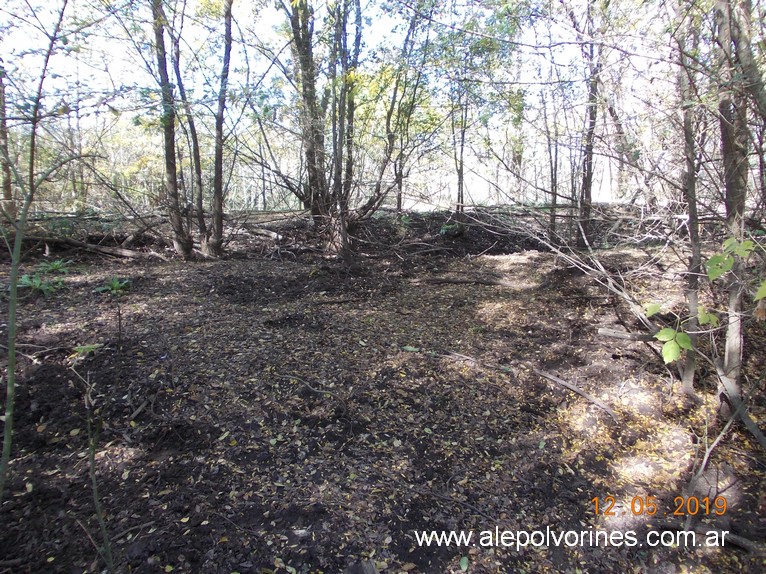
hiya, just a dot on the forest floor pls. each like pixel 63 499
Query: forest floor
pixel 280 412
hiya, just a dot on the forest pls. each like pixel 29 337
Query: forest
pixel 383 286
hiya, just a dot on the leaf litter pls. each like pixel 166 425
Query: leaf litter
pixel 306 416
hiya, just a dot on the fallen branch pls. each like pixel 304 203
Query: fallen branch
pixel 131 239
pixel 615 334
pixel 262 232
pixel 600 404
pixel 116 251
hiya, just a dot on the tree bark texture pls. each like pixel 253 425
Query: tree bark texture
pixel 181 238
pixel 214 244
pixel 9 205
pixel 732 109
pixel 685 35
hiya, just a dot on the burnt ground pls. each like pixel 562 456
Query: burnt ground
pixel 279 412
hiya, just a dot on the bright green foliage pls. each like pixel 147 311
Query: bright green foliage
pixel 55 266
pixel 761 293
pixel 80 352
pixel 674 341
pixel 85 349
pixel 721 263
pixel 684 341
pixel 667 334
pixel 652 309
pixel 706 318
pixel 743 249
pixel 114 287
pixel 40 285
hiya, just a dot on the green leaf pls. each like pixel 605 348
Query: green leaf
pixel 730 245
pixel 718 265
pixel 745 248
pixel 667 334
pixel 706 318
pixel 410 349
pixel 652 309
pixel 684 341
pixel 464 564
pixel 671 351
pixel 114 287
pixel 761 291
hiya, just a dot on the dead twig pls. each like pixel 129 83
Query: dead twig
pixel 600 404
pixel 615 334
pixel 318 391
pixel 132 528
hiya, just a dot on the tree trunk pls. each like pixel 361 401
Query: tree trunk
pixel 586 191
pixel 9 205
pixel 181 239
pixel 689 182
pixel 459 128
pixel 29 190
pixel 740 16
pixel 553 164
pixel 312 116
pixel 592 56
pixel 732 108
pixel 198 189
pixel 214 245
pixel 761 135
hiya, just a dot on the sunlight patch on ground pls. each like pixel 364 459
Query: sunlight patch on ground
pixel 496 313
pixel 639 400
pixel 517 266
pixel 636 469
pixel 114 457
pixel 582 420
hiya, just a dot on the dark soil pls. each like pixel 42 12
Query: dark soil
pixel 280 412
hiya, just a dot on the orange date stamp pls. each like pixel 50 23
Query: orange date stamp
pixel 649 506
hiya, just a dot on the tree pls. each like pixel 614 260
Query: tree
pixel 214 244
pixel 473 54
pixel 330 185
pixel 315 192
pixel 407 130
pixel 344 61
pixel 733 121
pixel 740 26
pixel 181 239
pixel 29 183
pixel 9 205
pixel 687 40
pixel 198 187
pixel 593 56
